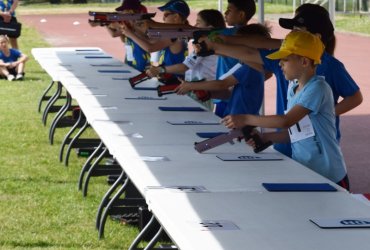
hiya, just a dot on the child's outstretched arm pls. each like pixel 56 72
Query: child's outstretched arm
pixel 248 55
pixel 145 43
pixel 179 68
pixel 253 41
pixel 271 121
pixel 215 85
pixel 293 116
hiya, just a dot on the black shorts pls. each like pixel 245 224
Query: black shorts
pixel 13 71
pixel 14 21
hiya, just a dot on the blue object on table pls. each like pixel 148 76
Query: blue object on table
pixel 107 65
pixel 299 187
pixel 181 109
pixel 209 134
pixel 145 88
pixel 114 71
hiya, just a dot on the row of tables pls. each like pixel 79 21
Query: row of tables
pixel 201 201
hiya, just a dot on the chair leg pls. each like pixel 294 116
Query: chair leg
pixel 155 239
pixel 152 224
pixel 67 139
pixel 75 138
pixel 51 102
pixel 88 164
pixel 134 245
pixel 109 205
pixel 57 119
pixel 44 97
pixel 106 199
pixel 96 163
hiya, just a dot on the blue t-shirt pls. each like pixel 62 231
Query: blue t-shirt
pixel 14 55
pixel 141 58
pixel 321 152
pixel 339 80
pixel 224 64
pixel 335 74
pixel 168 58
pixel 247 95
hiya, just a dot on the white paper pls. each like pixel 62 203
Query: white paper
pixel 154 158
pixel 342 222
pixel 302 130
pixel 214 225
pixel 192 122
pixel 249 157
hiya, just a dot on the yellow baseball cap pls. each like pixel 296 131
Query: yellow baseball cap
pixel 300 43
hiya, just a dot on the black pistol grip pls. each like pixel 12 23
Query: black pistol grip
pixel 260 145
pixel 159 92
pixel 247 131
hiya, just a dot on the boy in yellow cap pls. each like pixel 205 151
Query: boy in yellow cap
pixel 309 122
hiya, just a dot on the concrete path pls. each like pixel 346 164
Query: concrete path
pixel 353 50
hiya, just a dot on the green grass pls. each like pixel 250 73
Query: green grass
pixel 353 23
pixel 40 206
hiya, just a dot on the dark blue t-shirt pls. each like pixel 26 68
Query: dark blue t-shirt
pixel 247 95
pixel 14 55
pixel 224 64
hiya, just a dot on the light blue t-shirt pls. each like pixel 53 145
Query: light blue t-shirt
pixel 336 75
pixel 247 95
pixel 321 153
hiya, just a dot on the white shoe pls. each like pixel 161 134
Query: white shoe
pixel 19 76
pixel 10 77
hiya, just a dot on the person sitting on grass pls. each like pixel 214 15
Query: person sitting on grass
pixel 12 61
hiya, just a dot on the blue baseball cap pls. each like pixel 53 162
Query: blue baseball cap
pixel 177 6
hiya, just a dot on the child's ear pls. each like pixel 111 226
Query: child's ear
pixel 306 61
pixel 242 15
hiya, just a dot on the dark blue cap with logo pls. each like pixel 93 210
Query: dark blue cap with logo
pixel 177 6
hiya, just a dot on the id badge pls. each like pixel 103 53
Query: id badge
pixel 129 53
pixel 301 130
